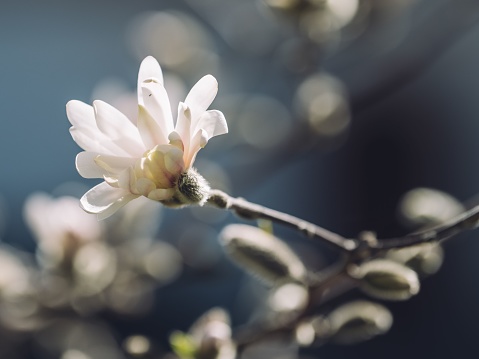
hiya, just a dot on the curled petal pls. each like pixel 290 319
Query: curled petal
pixel 151 133
pixel 105 200
pixel 199 141
pixel 175 140
pixel 81 115
pixel 157 103
pixel 183 125
pixel 86 166
pixel 149 70
pixel 213 122
pixel 201 96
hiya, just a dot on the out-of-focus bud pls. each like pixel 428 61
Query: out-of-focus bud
pixel 262 254
pixel 288 297
pixel 385 279
pixel 424 258
pixel 322 100
pixel 320 20
pixel 208 338
pixel 354 322
pixel 305 333
pixel 138 346
pixel 428 207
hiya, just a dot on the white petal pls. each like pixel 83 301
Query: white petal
pixel 81 115
pixel 98 142
pixel 149 69
pixel 87 140
pixel 151 133
pixel 112 122
pixel 157 103
pixel 114 164
pixel 174 160
pixel 183 125
pixel 144 186
pixel 86 166
pixel 104 199
pixel 161 194
pixel 115 127
pixel 201 96
pixel 197 142
pixel 213 122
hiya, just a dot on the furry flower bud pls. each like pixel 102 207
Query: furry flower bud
pixel 354 322
pixel 262 254
pixel 385 279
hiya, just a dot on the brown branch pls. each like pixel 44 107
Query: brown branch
pixel 249 210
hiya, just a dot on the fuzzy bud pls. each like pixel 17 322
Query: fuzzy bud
pixel 354 322
pixel 191 188
pixel 424 258
pixel 385 279
pixel 262 254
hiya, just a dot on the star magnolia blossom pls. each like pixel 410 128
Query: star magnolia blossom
pixel 153 158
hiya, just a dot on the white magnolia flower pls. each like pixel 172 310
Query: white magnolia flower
pixel 153 158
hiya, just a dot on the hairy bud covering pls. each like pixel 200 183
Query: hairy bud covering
pixel 354 322
pixel 385 279
pixel 262 254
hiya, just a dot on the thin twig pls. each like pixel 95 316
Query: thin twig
pixel 249 210
pixel 463 222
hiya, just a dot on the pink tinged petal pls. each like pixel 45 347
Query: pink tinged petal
pixel 197 142
pixel 175 140
pixel 149 70
pixel 201 96
pixel 154 168
pixel 151 133
pixel 183 125
pixel 213 122
pixel 105 200
pixel 157 103
pixel 161 194
pixel 113 164
pixel 86 166
pixel 174 160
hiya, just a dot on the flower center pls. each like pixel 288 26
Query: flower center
pixel 156 173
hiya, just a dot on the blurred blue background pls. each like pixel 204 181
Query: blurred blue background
pixel 406 73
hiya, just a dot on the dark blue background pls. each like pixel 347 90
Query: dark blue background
pixel 416 128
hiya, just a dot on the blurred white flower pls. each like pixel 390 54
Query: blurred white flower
pixel 60 226
pixel 152 157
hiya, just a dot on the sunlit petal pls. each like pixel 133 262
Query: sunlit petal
pixel 104 199
pixel 151 133
pixel 158 105
pixel 114 164
pixel 213 122
pixel 86 166
pixel 149 69
pixel 183 125
pixel 201 96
